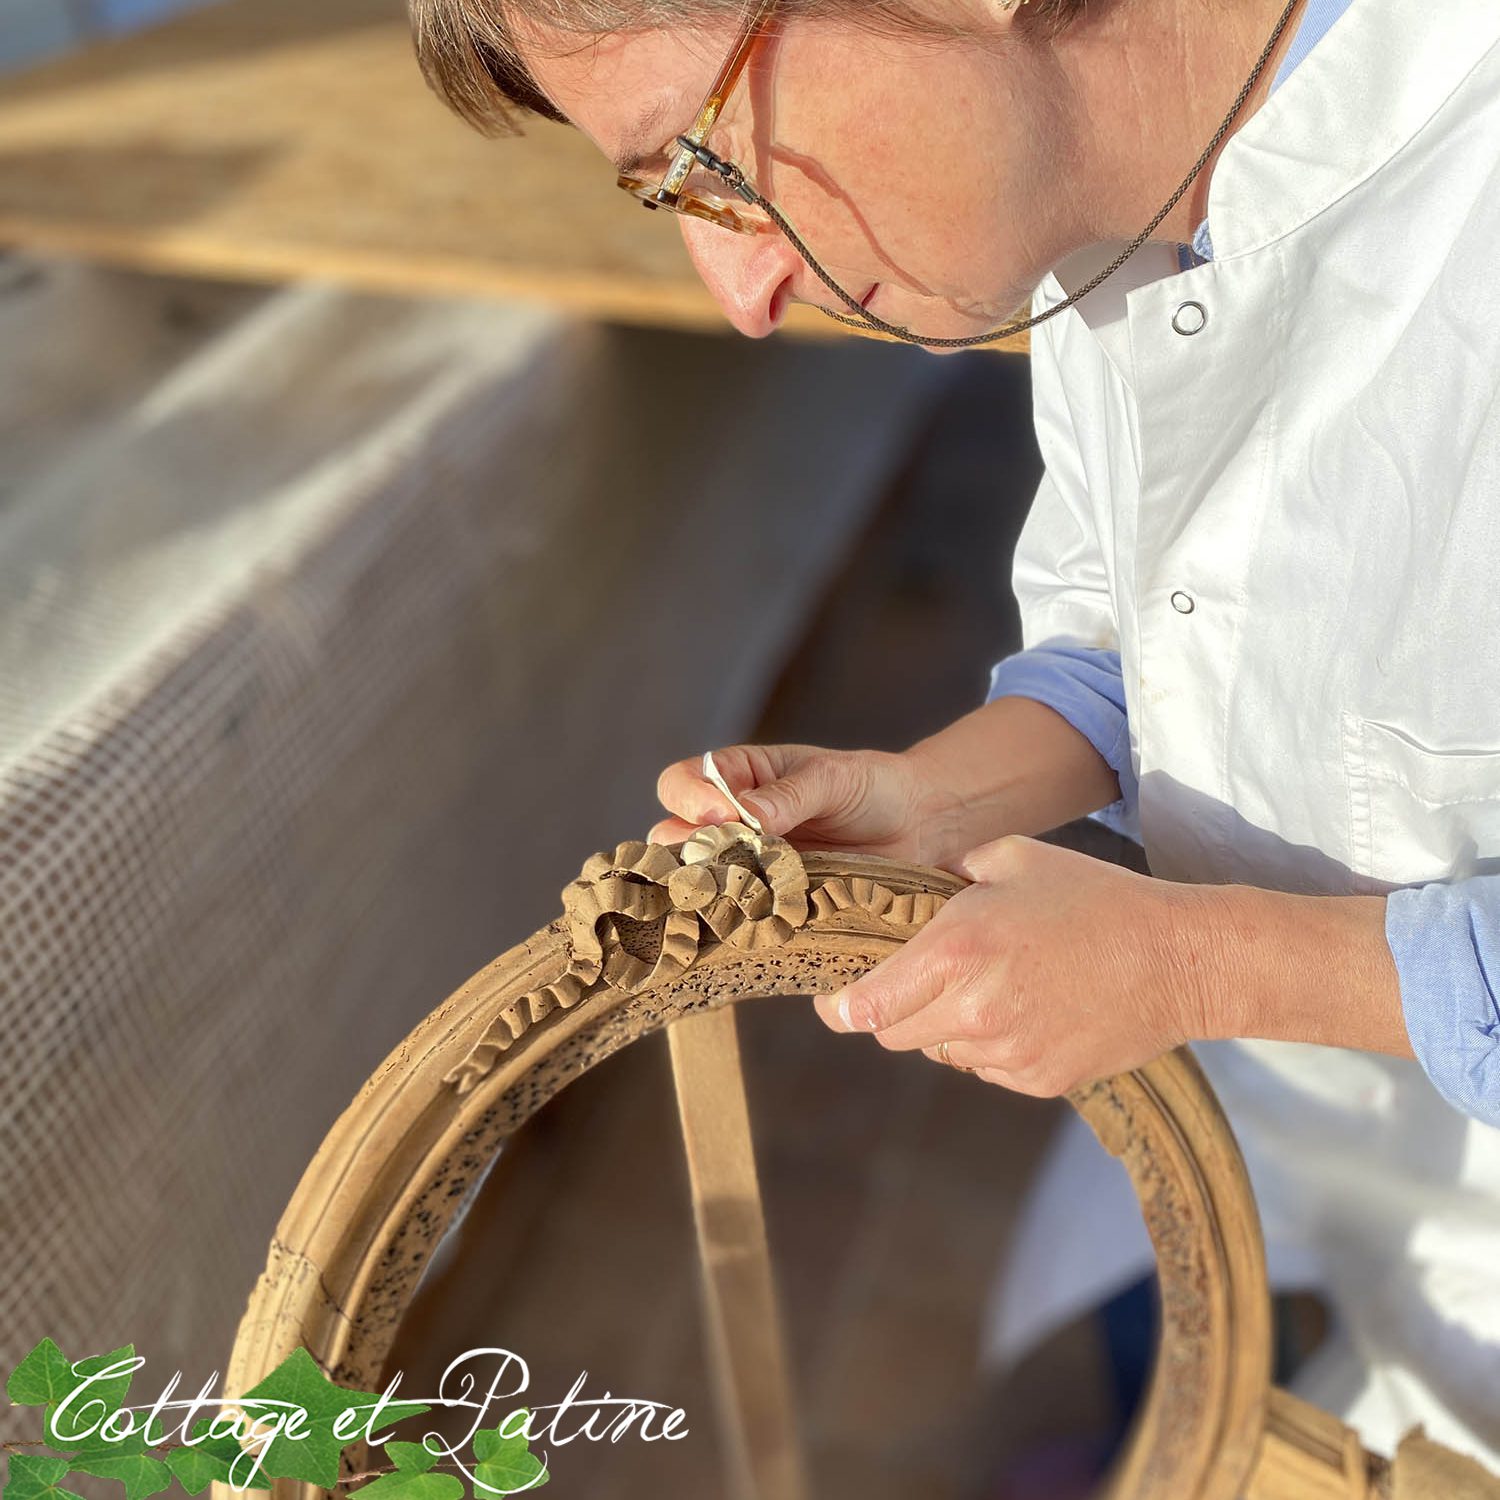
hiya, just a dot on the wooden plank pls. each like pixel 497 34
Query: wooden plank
pixel 745 1330
pixel 275 139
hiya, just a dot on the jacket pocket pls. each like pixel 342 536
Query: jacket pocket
pixel 1419 812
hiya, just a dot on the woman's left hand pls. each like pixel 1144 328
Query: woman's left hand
pixel 1052 970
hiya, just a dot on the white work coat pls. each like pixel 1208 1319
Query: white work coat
pixel 1273 484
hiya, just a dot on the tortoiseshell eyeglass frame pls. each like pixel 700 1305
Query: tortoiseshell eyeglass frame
pixel 671 193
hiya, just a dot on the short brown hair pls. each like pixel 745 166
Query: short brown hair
pixel 469 57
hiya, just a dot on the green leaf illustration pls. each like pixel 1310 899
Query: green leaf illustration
pixel 142 1475
pixel 102 1399
pixel 195 1470
pixel 412 1481
pixel 99 1446
pixel 37 1478
pixel 43 1378
pixel 404 1485
pixel 418 1458
pixel 312 1452
pixel 210 1460
pixel 506 1464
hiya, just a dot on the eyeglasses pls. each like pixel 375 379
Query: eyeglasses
pixel 695 181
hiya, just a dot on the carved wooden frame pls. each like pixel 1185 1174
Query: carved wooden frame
pixel 651 934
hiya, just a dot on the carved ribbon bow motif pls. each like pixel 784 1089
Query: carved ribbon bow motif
pixel 642 915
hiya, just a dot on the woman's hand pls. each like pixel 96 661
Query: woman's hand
pixel 1052 970
pixel 856 801
pixel 1011 766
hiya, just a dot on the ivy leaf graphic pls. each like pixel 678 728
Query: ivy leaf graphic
pixel 43 1378
pixel 506 1464
pixel 209 1461
pixel 411 1481
pixel 96 1445
pixel 142 1475
pixel 312 1454
pixel 418 1458
pixel 195 1470
pixel 111 1392
pixel 95 1407
pixel 37 1478
pixel 46 1377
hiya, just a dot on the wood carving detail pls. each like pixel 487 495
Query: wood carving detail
pixel 399 1165
pixel 860 893
pixel 641 915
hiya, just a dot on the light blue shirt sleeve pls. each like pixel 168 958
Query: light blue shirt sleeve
pixel 1445 939
pixel 1086 686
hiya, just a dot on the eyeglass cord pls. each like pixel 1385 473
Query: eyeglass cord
pixel 747 190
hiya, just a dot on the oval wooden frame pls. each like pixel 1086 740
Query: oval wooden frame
pixel 384 1186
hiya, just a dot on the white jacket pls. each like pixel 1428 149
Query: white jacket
pixel 1273 484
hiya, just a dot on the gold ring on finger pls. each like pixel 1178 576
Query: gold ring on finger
pixel 947 1057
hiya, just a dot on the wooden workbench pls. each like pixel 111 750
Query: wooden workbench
pixel 284 139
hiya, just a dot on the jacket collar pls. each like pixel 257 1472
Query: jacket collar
pixel 1384 70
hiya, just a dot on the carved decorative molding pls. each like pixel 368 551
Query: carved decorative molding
pixel 650 935
pixel 641 915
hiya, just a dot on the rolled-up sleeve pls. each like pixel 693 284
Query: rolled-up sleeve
pixel 1085 685
pixel 1445 939
pixel 1072 660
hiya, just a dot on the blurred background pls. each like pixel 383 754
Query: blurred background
pixel 381 509
pixel 36 29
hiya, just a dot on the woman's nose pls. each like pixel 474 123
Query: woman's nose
pixel 750 275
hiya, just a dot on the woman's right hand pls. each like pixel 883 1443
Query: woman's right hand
pixel 856 801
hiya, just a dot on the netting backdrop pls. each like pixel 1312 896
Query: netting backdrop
pixel 335 634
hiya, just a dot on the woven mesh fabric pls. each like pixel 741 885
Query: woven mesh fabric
pixel 335 633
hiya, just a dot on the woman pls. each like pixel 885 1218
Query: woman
pixel 1257 582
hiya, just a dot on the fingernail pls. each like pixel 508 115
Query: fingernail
pixel 844 1015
